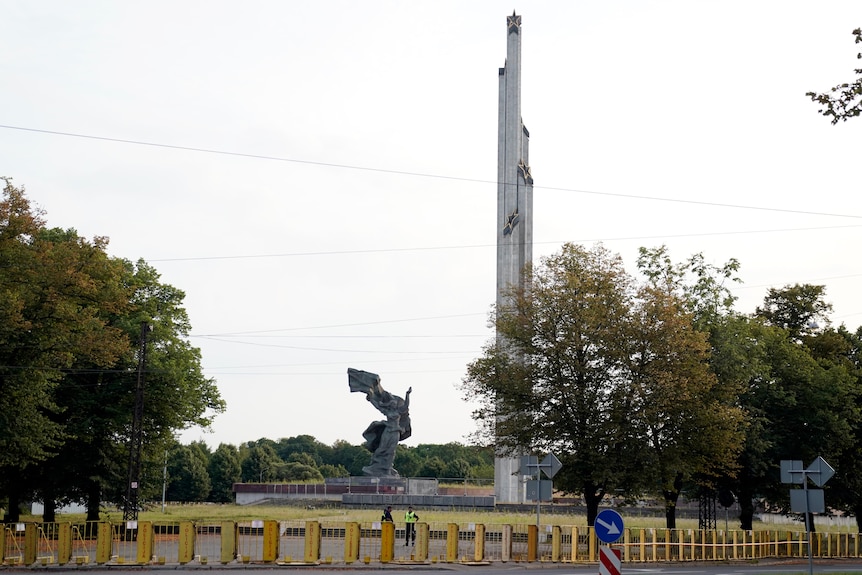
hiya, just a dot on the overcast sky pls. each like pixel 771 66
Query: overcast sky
pixel 318 177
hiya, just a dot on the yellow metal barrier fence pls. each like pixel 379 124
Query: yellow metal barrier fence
pixel 312 542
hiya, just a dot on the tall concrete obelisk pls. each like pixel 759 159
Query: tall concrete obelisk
pixel 514 217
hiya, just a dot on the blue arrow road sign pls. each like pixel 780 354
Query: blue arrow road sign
pixel 609 526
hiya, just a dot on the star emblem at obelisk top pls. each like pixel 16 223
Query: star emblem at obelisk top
pixel 513 22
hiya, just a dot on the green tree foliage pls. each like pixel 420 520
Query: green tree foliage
pixel 224 470
pixel 845 348
pixel 176 396
pixel 351 457
pixel 802 399
pixel 70 319
pixel 295 471
pixel 843 101
pixel 408 461
pixel 556 379
pixel 690 428
pixel 58 295
pixel 688 306
pixel 327 470
pixel 610 374
pixel 799 309
pixel 303 458
pixel 188 479
pixel 260 462
pixel 56 291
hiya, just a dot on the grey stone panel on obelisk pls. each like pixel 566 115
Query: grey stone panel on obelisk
pixel 514 219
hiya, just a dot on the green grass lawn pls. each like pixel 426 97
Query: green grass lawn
pixel 232 512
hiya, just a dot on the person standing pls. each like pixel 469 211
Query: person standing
pixel 410 519
pixel 387 514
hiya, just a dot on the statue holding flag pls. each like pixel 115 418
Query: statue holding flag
pixel 382 437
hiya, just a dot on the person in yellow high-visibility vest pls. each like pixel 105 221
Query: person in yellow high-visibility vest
pixel 410 519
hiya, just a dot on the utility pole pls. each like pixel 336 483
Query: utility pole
pixel 130 509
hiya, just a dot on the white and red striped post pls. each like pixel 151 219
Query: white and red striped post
pixel 610 561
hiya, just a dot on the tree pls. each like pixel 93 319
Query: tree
pixel 691 427
pixel 844 101
pixel 260 463
pixel 844 347
pixel 177 395
pixel 802 400
pixel 58 293
pixel 328 470
pixel 54 290
pixel 188 479
pixel 351 457
pixel 305 444
pixel 69 315
pixel 407 461
pixel 556 378
pixel 800 309
pixel 224 470
pixel 296 471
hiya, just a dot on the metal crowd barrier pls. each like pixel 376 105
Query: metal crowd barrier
pixel 314 543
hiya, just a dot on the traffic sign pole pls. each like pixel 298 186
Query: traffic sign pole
pixel 819 472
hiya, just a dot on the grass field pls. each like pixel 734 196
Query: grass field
pixel 232 512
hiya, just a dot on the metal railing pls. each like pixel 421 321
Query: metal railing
pixel 312 542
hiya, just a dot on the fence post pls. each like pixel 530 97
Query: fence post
pixel 270 541
pixel 144 542
pixel 387 541
pixel 452 542
pixel 31 543
pixel 506 549
pixel 479 543
pixel 104 542
pixel 423 535
pixel 627 539
pixel 532 542
pixel 228 542
pixel 186 543
pixel 556 533
pixel 575 543
pixel 64 543
pixel 312 541
pixel 352 534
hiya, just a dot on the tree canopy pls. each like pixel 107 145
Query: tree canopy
pixel 843 101
pixel 609 373
pixel 70 316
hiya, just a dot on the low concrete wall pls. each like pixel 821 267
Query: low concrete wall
pixel 419 501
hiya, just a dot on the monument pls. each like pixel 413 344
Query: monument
pixel 382 437
pixel 514 217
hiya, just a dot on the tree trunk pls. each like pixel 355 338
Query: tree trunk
pixel 746 510
pixel 857 512
pixel 49 509
pixel 671 496
pixel 13 514
pixel 93 501
pixel 592 498
pixel 811 526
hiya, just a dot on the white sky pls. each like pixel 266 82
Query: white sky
pixel 368 241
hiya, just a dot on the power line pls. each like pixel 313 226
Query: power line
pixel 487 246
pixel 330 326
pixel 409 173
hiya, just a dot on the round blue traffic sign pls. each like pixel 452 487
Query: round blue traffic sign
pixel 609 526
